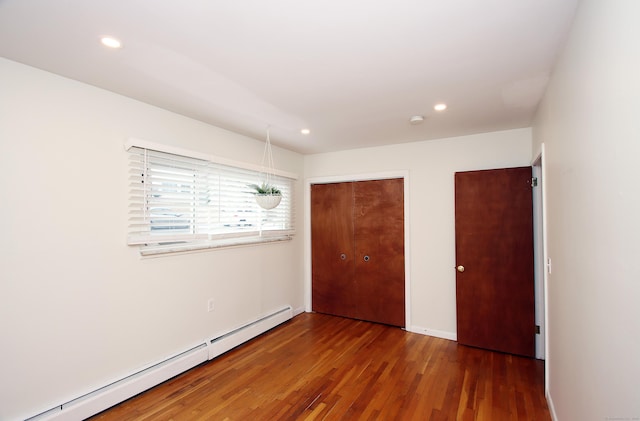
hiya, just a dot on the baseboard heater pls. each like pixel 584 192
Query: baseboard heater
pixel 229 340
pixel 111 394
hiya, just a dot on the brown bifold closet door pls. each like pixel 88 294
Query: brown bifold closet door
pixel 357 231
pixel 494 260
pixel 332 249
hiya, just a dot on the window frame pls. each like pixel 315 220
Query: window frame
pixel 170 172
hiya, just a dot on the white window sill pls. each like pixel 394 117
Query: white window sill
pixel 162 249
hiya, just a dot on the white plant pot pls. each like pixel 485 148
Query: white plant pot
pixel 268 201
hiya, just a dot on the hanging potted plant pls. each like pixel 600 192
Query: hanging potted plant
pixel 267 195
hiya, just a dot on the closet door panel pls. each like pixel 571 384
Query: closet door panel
pixel 379 250
pixel 332 243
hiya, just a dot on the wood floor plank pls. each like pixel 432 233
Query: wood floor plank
pixel 320 367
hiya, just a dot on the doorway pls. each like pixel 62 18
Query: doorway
pixel 402 174
pixel 495 304
pixel 357 237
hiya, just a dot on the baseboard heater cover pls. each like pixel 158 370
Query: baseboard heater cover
pixel 105 397
pixel 229 340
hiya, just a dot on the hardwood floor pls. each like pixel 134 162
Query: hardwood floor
pixel 319 367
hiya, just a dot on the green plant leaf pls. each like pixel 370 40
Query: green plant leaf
pixel 264 188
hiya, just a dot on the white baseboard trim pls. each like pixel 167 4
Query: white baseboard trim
pixel 552 408
pixel 452 336
pixel 299 310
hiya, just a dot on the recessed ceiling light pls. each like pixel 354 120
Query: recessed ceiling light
pixel 440 107
pixel 111 42
pixel 305 131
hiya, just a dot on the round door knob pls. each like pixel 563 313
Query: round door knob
pixel 460 268
pixel 366 258
pixel 343 256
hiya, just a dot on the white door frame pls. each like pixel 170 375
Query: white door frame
pixel 541 255
pixel 307 230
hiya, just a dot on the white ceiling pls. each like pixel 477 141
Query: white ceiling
pixel 352 71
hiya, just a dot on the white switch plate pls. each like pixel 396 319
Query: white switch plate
pixel 210 305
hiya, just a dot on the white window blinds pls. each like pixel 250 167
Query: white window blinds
pixel 178 198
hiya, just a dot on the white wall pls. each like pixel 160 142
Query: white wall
pixel 79 307
pixel 431 165
pixel 590 125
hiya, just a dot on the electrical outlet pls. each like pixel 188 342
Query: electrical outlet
pixel 210 305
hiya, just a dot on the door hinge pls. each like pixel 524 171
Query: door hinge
pixel 537 329
pixel 534 181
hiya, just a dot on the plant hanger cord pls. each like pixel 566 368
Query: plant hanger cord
pixel 268 196
pixel 267 156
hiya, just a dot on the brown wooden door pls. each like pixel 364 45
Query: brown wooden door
pixel 357 231
pixel 379 252
pixel 332 251
pixel 494 255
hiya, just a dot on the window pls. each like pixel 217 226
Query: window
pixel 182 200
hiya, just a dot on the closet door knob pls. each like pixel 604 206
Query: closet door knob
pixel 460 268
pixel 366 258
pixel 343 256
